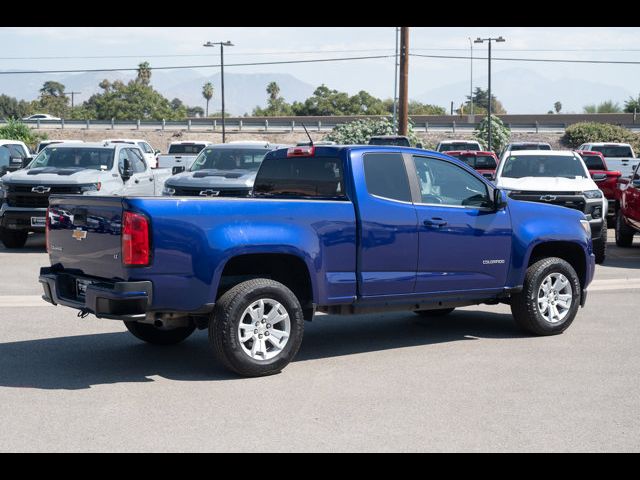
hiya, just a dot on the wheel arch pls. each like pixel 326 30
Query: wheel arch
pixel 573 253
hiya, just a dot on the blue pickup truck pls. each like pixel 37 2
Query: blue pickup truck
pixel 334 229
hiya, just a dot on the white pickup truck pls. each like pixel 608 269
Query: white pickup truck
pixel 71 168
pixel 619 156
pixel 182 154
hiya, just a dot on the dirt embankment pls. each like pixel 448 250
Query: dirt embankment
pixel 161 139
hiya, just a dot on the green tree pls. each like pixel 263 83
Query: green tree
pixel 144 73
pixel 481 103
pixel 16 130
pixel 557 106
pixel 176 104
pixel 53 89
pixel 195 111
pixel 276 105
pixel 207 93
pixel 10 107
pixel 358 132
pixel 608 106
pixel 632 105
pixel 500 133
pixel 52 99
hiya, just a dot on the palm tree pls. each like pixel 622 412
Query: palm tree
pixel 207 93
pixel 144 73
pixel 557 107
pixel 273 90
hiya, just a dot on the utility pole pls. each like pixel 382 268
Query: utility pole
pixel 403 110
pixel 72 94
pixel 471 82
pixel 395 87
pixel 222 45
pixel 481 40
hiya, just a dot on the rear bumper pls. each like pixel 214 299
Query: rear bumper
pixel 119 300
pixel 16 218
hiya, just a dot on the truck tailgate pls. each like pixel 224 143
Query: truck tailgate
pixel 84 235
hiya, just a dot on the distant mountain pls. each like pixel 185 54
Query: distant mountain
pixel 242 91
pixel 523 91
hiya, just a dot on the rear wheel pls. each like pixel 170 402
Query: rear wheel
pixel 157 336
pixel 440 312
pixel 600 245
pixel 624 233
pixel 13 238
pixel 550 297
pixel 257 327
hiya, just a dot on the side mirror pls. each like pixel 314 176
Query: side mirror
pixel 418 145
pixel 157 152
pixel 178 169
pixel 126 170
pixel 598 177
pixel 499 199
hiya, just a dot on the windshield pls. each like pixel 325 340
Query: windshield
pixel 614 151
pixel 192 148
pixel 65 157
pixel 543 166
pixel 448 147
pixel 477 161
pixel 229 159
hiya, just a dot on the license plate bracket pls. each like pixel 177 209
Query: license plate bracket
pixel 81 287
pixel 38 222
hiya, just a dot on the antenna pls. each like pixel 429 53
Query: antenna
pixel 307 132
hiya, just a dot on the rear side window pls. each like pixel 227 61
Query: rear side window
pixel 386 176
pixel 191 148
pixel 301 177
pixel 593 162
pixel 448 147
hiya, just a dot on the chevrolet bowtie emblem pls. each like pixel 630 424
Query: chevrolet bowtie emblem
pixel 79 234
pixel 41 189
pixel 548 198
pixel 209 193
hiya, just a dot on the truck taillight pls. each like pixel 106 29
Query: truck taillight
pixel 301 151
pixel 135 239
pixel 47 224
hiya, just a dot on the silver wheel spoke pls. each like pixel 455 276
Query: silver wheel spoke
pixel 268 341
pixel 555 296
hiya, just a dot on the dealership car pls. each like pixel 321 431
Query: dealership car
pixel 607 180
pixel 484 162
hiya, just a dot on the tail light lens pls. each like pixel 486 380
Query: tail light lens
pixel 135 239
pixel 46 231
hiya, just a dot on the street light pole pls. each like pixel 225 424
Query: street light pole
pixel 471 80
pixel 222 45
pixel 481 40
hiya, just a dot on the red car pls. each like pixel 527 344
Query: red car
pixel 484 162
pixel 628 217
pixel 607 180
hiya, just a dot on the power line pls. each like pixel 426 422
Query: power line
pixel 552 60
pixel 315 60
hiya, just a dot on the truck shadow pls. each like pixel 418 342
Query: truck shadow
pixel 35 244
pixel 80 362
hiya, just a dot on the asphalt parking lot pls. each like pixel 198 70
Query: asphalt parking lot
pixel 391 382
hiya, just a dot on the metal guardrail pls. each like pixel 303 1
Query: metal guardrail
pixel 279 125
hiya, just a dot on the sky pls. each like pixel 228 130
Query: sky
pixel 260 44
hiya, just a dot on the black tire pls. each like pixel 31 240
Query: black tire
pixel 600 245
pixel 524 305
pixel 624 233
pixel 157 336
pixel 440 312
pixel 13 238
pixel 229 310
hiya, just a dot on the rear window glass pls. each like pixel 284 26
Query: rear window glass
pixel 397 141
pixel 386 176
pixel 484 162
pixel 593 162
pixel 300 177
pixel 530 146
pixel 186 148
pixel 448 147
pixel 614 151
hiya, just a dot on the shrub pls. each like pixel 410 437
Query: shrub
pixel 500 133
pixel 16 130
pixel 360 131
pixel 585 132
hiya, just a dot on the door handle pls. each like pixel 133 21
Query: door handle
pixel 137 181
pixel 435 222
pixel 151 179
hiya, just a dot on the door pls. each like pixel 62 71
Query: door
pixel 463 243
pixel 631 198
pixel 388 227
pixel 149 154
pixel 138 183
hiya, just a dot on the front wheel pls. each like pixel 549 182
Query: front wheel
pixel 13 238
pixel 257 327
pixel 600 245
pixel 550 297
pixel 624 233
pixel 157 336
